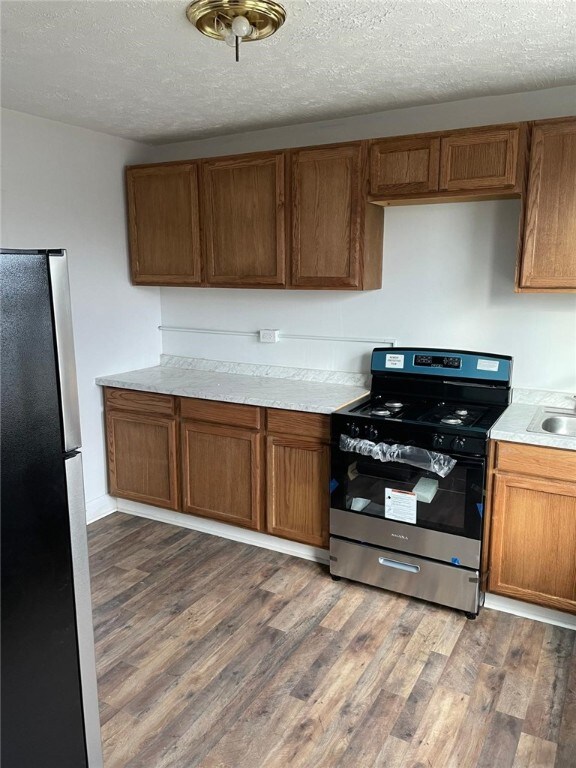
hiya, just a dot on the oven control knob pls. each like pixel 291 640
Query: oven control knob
pixel 354 430
pixel 459 443
pixel 438 441
pixel 372 432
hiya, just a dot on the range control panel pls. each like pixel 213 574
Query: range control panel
pixel 447 441
pixel 445 363
pixel 437 361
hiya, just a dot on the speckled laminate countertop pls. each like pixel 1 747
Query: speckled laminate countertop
pixel 296 389
pixel 511 426
pixel 316 391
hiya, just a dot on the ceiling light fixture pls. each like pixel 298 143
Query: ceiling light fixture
pixel 236 21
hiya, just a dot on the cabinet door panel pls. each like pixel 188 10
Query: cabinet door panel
pixel 402 166
pixel 479 160
pixel 222 474
pixel 327 203
pixel 243 207
pixel 548 260
pixel 533 546
pixel 142 458
pixel 297 487
pixel 164 224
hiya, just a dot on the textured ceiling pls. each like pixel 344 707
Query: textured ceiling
pixel 140 70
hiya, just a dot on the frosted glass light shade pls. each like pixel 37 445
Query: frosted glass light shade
pixel 241 26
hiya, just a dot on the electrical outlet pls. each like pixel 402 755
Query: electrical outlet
pixel 269 335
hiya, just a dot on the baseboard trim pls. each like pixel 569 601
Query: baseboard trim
pixel 304 551
pixel 530 611
pixel 101 507
pixel 263 540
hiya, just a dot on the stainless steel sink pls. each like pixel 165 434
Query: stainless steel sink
pixel 554 421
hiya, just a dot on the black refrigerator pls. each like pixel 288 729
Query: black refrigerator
pixel 49 701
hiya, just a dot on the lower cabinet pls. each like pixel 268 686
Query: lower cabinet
pixel 533 528
pixel 263 469
pixel 221 473
pixel 142 447
pixel 298 467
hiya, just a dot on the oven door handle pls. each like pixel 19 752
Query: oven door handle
pixel 399 565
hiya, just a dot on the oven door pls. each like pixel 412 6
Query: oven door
pixel 409 509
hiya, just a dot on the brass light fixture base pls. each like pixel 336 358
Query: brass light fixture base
pixel 214 17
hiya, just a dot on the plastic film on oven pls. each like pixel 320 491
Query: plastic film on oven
pixel 438 463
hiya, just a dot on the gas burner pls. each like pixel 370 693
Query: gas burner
pixel 394 405
pixel 380 412
pixel 451 419
pixel 461 412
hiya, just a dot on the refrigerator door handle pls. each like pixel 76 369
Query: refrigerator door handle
pixel 65 345
pixel 83 600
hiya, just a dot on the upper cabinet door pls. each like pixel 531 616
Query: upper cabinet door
pixel 482 159
pixel 548 258
pixel 164 225
pixel 244 228
pixel 404 166
pixel 328 201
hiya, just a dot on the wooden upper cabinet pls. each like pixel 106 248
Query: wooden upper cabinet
pixel 164 226
pixel 243 220
pixel 328 207
pixel 548 247
pixel 480 159
pixel 465 164
pixel 404 165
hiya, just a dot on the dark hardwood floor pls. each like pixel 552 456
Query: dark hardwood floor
pixel 215 654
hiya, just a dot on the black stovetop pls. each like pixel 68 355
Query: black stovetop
pixel 427 423
pixel 474 416
pixel 444 400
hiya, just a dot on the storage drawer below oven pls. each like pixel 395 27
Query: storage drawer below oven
pixel 409 538
pixel 407 574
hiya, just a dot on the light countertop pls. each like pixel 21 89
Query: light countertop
pixel 293 389
pixel 312 390
pixel 511 426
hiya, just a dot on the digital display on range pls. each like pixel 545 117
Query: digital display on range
pixel 436 361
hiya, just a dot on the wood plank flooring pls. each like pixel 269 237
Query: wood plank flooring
pixel 216 654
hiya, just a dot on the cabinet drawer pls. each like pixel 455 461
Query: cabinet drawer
pixel 298 423
pixel 550 463
pixel 145 402
pixel 233 414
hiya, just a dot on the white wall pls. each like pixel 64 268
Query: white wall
pixel 448 269
pixel 62 187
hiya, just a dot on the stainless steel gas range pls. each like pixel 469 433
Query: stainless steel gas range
pixel 408 468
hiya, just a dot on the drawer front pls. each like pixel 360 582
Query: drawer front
pixel 407 574
pixel 233 414
pixel 550 463
pixel 435 545
pixel 143 402
pixel 298 423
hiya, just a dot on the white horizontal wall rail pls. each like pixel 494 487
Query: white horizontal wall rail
pixel 255 335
